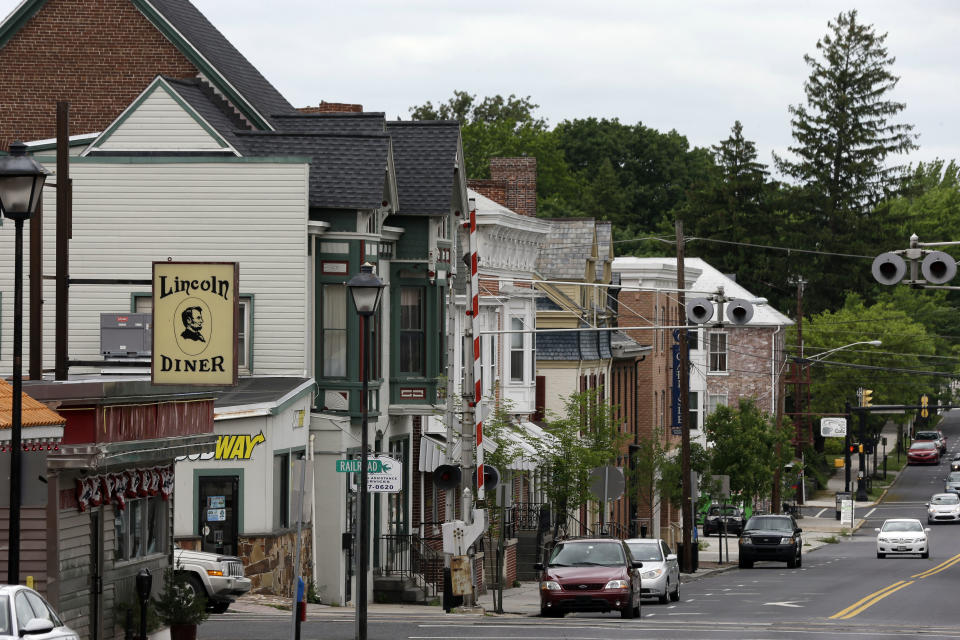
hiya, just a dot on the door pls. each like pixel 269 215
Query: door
pixel 218 514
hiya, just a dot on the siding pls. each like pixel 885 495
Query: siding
pixel 74 542
pixel 126 215
pixel 159 123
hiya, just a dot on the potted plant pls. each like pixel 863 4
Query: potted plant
pixel 179 608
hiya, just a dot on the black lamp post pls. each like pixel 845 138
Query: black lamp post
pixel 366 289
pixel 21 183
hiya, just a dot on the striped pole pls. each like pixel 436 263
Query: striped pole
pixel 475 316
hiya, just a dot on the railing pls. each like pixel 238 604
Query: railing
pixel 527 516
pixel 412 557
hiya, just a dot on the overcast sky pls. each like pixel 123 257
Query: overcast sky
pixel 671 64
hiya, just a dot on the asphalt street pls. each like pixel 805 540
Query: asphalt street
pixel 842 590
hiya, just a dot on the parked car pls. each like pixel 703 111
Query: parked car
pixel 771 537
pixel 220 579
pixel 590 574
pixel 943 507
pixel 900 536
pixel 952 483
pixel 24 613
pixel 660 576
pixel 923 452
pixel 932 436
pixel 719 515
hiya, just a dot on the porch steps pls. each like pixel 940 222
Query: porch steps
pixel 397 590
pixel 527 555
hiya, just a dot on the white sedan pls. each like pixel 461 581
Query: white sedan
pixel 25 614
pixel 943 507
pixel 899 536
pixel 660 575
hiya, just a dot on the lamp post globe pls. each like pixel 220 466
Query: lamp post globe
pixel 21 185
pixel 366 289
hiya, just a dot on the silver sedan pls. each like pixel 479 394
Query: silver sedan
pixel 25 614
pixel 943 507
pixel 660 575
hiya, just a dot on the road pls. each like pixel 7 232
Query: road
pixel 842 590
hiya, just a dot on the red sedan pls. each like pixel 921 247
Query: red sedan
pixel 923 452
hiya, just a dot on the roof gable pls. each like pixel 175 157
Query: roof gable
pixel 160 119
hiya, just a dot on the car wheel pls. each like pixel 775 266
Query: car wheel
pixel 745 564
pixel 799 558
pixel 544 612
pixel 925 554
pixel 219 607
pixel 675 595
pixel 881 555
pixel 627 612
pixel 664 598
pixel 792 562
pixel 193 587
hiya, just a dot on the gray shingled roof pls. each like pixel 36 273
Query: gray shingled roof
pixel 366 123
pixel 588 344
pixel 224 57
pixel 567 248
pixel 425 156
pixel 604 238
pixel 345 172
pixel 545 303
pixel 210 106
pixel 558 346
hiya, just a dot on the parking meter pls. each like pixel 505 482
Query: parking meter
pixel 144 586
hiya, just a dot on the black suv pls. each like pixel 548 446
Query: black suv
pixel 771 537
pixel 718 515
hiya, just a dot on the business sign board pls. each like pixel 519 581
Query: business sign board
pixel 389 479
pixel 833 427
pixel 195 313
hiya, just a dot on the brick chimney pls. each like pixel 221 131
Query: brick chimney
pixel 333 107
pixel 512 183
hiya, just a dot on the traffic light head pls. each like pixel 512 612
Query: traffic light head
pixel 446 476
pixel 851 448
pixel 867 399
pixel 861 447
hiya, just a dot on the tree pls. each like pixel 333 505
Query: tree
pixel 844 136
pixel 745 442
pixel 586 436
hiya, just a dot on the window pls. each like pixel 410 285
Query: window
pixel 693 338
pixel 334 330
pixel 715 400
pixel 281 491
pixel 718 352
pixel 694 401
pixel 516 350
pixel 143 303
pixel 412 338
pixel 533 356
pixel 140 529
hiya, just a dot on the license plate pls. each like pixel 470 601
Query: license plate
pixel 901 548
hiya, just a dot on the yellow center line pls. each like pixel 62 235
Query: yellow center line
pixel 856 604
pixel 883 593
pixel 940 567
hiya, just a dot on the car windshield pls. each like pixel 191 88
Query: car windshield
pixel 727 511
pixel 927 435
pixel 901 525
pixel 645 551
pixel 578 554
pixel 5 616
pixel 945 498
pixel 770 522
pixel 954 476
pixel 922 445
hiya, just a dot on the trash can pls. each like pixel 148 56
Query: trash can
pixel 694 556
pixel 841 496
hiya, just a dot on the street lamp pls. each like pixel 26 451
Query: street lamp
pixel 21 184
pixel 811 359
pixel 366 289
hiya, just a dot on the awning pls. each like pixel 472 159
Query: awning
pixel 433 450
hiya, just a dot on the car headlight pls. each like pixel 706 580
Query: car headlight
pixel 744 540
pixel 788 540
pixel 882 539
pixel 653 573
pixel 617 584
pixel 549 585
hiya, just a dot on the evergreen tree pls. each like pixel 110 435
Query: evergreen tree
pixel 844 136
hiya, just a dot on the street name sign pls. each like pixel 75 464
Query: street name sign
pixel 833 427
pixel 353 466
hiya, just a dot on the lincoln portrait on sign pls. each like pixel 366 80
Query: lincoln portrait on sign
pixel 192 318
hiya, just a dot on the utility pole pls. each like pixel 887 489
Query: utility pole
pixel 846 450
pixel 687 499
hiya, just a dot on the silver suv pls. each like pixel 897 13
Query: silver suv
pixel 218 578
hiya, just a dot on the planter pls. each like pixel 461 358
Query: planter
pixel 183 632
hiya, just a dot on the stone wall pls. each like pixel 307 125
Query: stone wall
pixel 268 561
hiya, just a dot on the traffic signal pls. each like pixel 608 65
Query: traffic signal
pixel 861 447
pixel 491 477
pixel 852 448
pixel 867 399
pixel 446 476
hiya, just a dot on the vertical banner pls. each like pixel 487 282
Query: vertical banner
pixel 195 313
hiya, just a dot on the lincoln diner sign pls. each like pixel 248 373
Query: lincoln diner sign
pixel 195 312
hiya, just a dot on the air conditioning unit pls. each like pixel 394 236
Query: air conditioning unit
pixel 126 335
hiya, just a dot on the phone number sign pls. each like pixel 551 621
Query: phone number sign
pixel 389 479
